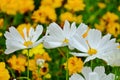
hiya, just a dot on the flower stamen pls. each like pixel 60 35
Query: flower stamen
pixel 92 51
pixel 66 41
pixel 86 33
pixel 118 47
pixel 28 43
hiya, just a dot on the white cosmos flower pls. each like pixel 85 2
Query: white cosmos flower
pixel 97 74
pixel 15 41
pixel 57 37
pixel 94 46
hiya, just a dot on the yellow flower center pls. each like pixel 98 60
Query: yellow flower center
pixel 118 47
pixel 28 43
pixel 66 41
pixel 92 51
pixel 86 33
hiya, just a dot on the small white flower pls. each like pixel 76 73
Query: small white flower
pixel 94 46
pixel 15 41
pixel 40 62
pixel 57 37
pixel 97 74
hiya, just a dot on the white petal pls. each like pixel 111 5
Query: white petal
pixel 36 43
pixel 82 28
pixel 79 54
pixel 66 28
pixel 94 76
pixel 100 70
pixel 8 35
pixel 94 36
pixel 113 58
pixel 14 34
pixel 90 58
pixel 103 41
pixel 52 44
pixel 38 32
pixel 55 31
pixel 31 33
pixel 79 43
pixel 25 34
pixel 76 77
pixel 108 47
pixel 70 47
pixel 73 29
pixel 109 77
pixel 13 46
pixel 86 71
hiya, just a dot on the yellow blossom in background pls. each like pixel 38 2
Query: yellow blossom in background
pixel 101 26
pixel 1 22
pixel 36 50
pixel 118 8
pixel 32 64
pixel 1 34
pixel 9 6
pixel 70 17
pixel 17 63
pixel 45 14
pixel 4 74
pixel 38 79
pixel 75 5
pixel 109 24
pixel 113 28
pixel 43 56
pixel 48 76
pixel 35 76
pixel 44 70
pixel 25 5
pixel 110 17
pixel 101 5
pixel 78 19
pixel 66 16
pixel 52 3
pixel 22 26
pixel 75 65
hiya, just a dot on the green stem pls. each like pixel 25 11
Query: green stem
pixel 44 78
pixel 61 53
pixel 91 64
pixel 39 71
pixel 28 65
pixel 67 72
pixel 11 71
pixel 23 78
pixel 116 70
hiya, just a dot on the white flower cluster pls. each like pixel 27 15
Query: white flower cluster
pixel 97 74
pixel 89 42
